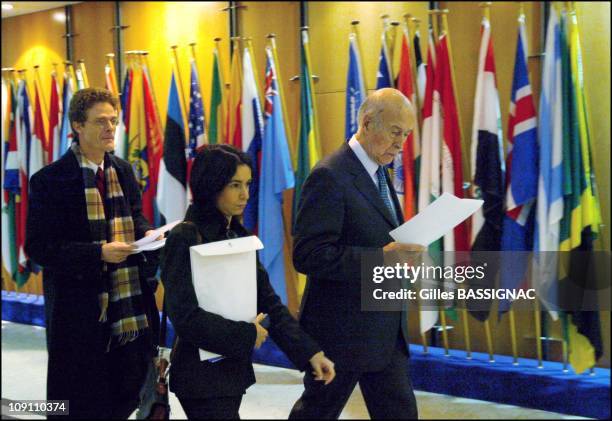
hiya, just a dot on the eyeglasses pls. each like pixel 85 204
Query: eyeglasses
pixel 103 122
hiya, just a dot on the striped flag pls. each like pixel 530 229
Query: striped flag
pixel 154 143
pixel 233 129
pixel 66 135
pixel 217 103
pixel 549 203
pixel 405 168
pixel 38 145
pixel 429 179
pixel 252 135
pixel 487 154
pixel 10 176
pixel 197 124
pixel 355 88
pixel 452 173
pixel 309 147
pixel 521 171
pixel 581 217
pixel 276 177
pixel 172 182
pixel 24 121
pixel 55 117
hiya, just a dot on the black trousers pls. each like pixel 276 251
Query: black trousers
pixel 120 374
pixel 225 408
pixel 388 393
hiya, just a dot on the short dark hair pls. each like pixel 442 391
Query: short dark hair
pixel 213 169
pixel 83 100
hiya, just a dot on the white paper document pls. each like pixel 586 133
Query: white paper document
pixel 153 237
pixel 224 275
pixel 151 246
pixel 437 219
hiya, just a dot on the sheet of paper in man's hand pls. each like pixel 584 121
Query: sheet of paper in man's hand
pixel 436 220
pixel 150 242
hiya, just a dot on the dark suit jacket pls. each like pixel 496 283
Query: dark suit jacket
pixel 58 239
pixel 340 218
pixel 198 328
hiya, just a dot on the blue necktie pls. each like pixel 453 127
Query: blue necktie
pixel 383 191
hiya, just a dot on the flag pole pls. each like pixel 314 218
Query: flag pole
pixel 279 83
pixel 538 331
pixel 423 336
pixel 513 336
pixel 444 332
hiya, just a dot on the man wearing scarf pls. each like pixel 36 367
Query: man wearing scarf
pixel 84 213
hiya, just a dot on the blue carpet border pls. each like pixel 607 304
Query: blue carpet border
pixel 547 388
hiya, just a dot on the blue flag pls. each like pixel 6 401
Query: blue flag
pixel 276 176
pixel 355 88
pixel 521 172
pixel 383 76
pixel 66 130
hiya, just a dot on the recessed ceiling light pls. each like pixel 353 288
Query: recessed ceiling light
pixel 7 6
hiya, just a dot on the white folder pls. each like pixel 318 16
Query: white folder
pixel 224 275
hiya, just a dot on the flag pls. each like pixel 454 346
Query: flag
pixel 172 182
pixel 452 173
pixel 138 155
pixel 488 166
pixel 581 218
pixel 38 145
pixel 55 116
pixel 549 202
pixel 405 169
pixel 421 73
pixel 384 78
pixel 429 179
pixel 276 177
pixel 197 134
pixel 66 136
pixel 252 135
pixel 309 147
pixel 122 132
pixel 233 129
pixel 154 143
pixel 521 171
pixel 110 79
pixel 10 177
pixel 217 103
pixel 24 121
pixel 80 79
pixel 355 88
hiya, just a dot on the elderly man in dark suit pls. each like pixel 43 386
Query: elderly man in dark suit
pixel 84 211
pixel 346 210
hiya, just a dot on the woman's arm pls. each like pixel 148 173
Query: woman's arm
pixel 284 329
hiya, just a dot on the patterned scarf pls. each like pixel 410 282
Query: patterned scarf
pixel 120 299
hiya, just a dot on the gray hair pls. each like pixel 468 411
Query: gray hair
pixel 375 104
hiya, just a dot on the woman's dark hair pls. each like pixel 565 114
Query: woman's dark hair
pixel 213 169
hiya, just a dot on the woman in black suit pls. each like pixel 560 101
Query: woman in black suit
pixel 220 180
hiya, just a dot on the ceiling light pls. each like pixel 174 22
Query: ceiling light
pixel 59 17
pixel 7 6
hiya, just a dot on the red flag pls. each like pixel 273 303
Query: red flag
pixel 452 173
pixel 55 115
pixel 154 142
pixel 404 85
